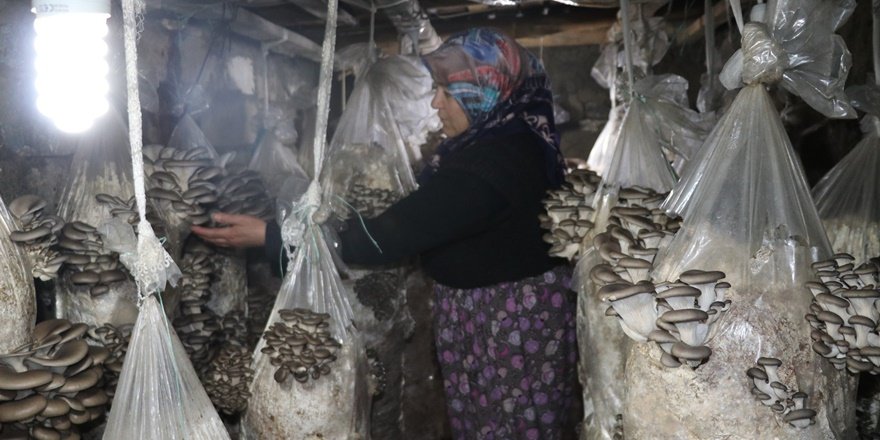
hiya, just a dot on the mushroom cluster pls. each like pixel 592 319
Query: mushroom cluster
pixel 369 202
pixel 243 192
pixel 179 185
pixel 259 306
pixel 197 326
pixel 378 379
pixel 679 316
pixel 115 340
pixel 234 328
pixel 301 346
pixel 844 314
pixel 569 213
pixel 38 235
pixel 769 390
pixel 88 264
pixel 51 386
pixel 378 291
pixel 227 378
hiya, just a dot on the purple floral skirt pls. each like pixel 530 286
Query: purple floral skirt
pixel 508 356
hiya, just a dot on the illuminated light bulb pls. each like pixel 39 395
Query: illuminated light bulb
pixel 71 62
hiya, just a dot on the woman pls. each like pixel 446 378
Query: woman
pixel 504 321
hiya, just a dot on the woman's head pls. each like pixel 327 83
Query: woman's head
pixel 489 86
pixel 474 72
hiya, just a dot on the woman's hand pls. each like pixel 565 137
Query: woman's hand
pixel 240 231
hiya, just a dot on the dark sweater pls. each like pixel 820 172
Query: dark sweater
pixel 474 223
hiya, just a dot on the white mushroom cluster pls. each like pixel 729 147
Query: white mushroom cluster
pixel 785 402
pixel 197 326
pixel 38 235
pixel 227 378
pixel 50 387
pixel 679 316
pixel 88 265
pixel 301 346
pixel 569 213
pixel 844 313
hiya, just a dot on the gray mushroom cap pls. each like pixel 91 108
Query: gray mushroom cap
pixel 860 293
pixel 604 274
pixel 687 352
pixel 23 409
pixel 829 299
pixel 769 361
pixel 757 373
pixel 616 291
pixel 662 337
pixel 14 381
pixel 701 277
pixel 634 263
pixel 684 315
pixel 861 320
pixel 799 414
pixel 830 317
pixel 679 290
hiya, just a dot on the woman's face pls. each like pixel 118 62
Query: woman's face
pixel 455 121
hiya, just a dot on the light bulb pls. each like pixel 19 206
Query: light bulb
pixel 71 64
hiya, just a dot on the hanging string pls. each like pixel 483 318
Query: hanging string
pixel 627 46
pixel 372 46
pixel 153 266
pixel 709 23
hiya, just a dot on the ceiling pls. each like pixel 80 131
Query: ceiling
pixel 532 22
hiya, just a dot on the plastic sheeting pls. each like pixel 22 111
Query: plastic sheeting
pixel 159 396
pixel 275 161
pixel 750 216
pixel 388 117
pixel 18 308
pixel 332 406
pixel 603 149
pixel 602 349
pixel 848 197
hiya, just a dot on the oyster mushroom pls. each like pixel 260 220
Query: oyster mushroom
pixel 692 356
pixel 691 325
pixel 800 418
pixel 679 296
pixel 635 305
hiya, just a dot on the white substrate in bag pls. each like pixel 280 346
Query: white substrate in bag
pixel 316 410
pixel 18 308
pixel 117 307
pixel 715 402
pixel 747 212
pixel 333 406
pixel 229 283
pixel 101 165
pixel 159 396
pixel 603 349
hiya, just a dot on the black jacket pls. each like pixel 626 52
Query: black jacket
pixel 474 223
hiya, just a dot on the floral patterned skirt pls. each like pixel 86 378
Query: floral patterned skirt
pixel 508 356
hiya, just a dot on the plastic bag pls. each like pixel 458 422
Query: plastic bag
pixel 188 136
pixel 795 44
pixel 275 162
pixel 356 58
pixel 603 349
pixel 603 148
pixel 848 200
pixel 101 166
pixel 652 44
pixel 18 308
pixel 748 213
pixel 326 404
pixel 387 118
pixel 159 395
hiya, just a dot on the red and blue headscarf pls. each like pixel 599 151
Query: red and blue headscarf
pixel 502 88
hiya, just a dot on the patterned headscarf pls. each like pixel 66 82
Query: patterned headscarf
pixel 502 88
